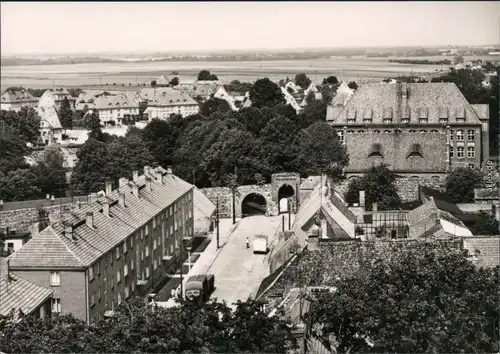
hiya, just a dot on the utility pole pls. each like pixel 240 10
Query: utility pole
pixel 217 221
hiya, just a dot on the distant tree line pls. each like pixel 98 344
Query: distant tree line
pixel 423 61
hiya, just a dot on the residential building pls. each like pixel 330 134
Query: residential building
pixel 162 103
pixel 87 98
pixel 290 99
pixel 312 88
pixel 222 94
pixel 18 294
pixel 54 98
pixel 14 100
pixel 204 211
pixel 51 129
pixel 13 240
pixel 404 113
pixel 119 245
pixel 116 109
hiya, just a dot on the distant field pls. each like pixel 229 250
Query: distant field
pixel 360 69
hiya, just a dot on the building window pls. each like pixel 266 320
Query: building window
pixel 422 120
pixel 154 264
pixel 131 265
pixel 56 306
pixel 405 120
pixel 131 242
pixel 460 135
pixel 147 251
pixel 98 266
pixel 376 131
pixel 91 272
pixel 340 134
pixel 117 252
pixel 92 299
pixel 359 131
pixel 423 131
pixel 99 295
pixel 118 276
pixel 460 120
pixel 471 152
pixel 127 293
pixel 55 279
pixel 154 244
pixel 460 152
pixel 387 131
pixel 471 134
pixel 387 120
pixel 119 299
pixel 348 132
pixel 147 272
pixel 443 120
pixel 112 282
pixel 124 247
pixel 471 166
pixel 451 152
pixel 412 131
pixel 125 270
pixel 451 135
pixel 434 131
pixel 351 121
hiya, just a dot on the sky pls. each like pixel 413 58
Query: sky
pixel 92 27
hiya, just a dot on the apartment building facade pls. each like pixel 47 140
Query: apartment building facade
pixel 115 109
pixel 14 100
pixel 118 246
pixel 163 102
pixel 403 112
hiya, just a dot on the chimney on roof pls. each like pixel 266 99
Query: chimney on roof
pixel 90 219
pixel 6 274
pixel 148 183
pixel 105 208
pixel 146 169
pixel 122 181
pixel 169 169
pixel 68 231
pixel 135 190
pixel 135 176
pixel 109 187
pixel 362 199
pixel 121 199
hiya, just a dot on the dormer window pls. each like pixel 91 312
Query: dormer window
pixel 351 121
pixel 350 132
pixel 387 131
pixel 376 151
pixel 405 120
pixel 415 151
pixel 367 120
pixel 387 120
pixel 460 135
pixel 460 120
pixel 461 115
pixel 376 131
pixel 361 131
pixel 412 131
pixel 443 120
pixel 434 131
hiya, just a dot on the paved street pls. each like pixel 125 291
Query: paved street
pixel 237 270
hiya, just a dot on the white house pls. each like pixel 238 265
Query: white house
pixel 317 94
pixel 50 127
pixel 14 100
pixel 55 97
pixel 115 109
pixel 291 100
pixel 166 101
pixel 222 94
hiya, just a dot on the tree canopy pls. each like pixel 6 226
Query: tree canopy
pixel 302 80
pixel 379 186
pixel 432 301
pixel 66 114
pixel 138 327
pixel 265 93
pixel 460 184
pixel 330 80
pixel 205 75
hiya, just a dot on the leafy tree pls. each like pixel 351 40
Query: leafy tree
pixel 264 93
pixel 25 123
pixel 20 184
pixel 458 59
pixel 174 81
pixel 92 168
pixel 302 80
pixel 205 75
pixel 51 173
pixel 66 114
pixel 320 151
pixel 353 85
pixel 379 186
pixel 330 80
pixel 429 300
pixel 153 83
pixel 213 105
pixel 94 124
pixel 460 184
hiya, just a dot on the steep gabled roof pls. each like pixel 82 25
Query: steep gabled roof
pixel 422 100
pixel 49 114
pixel 18 293
pixel 86 244
pixel 18 96
pixel 485 250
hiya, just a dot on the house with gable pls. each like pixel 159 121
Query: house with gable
pixel 164 102
pixel 55 97
pixel 15 99
pixel 51 129
pixel 222 94
pixel 425 124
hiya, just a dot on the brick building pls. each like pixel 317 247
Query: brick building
pixel 122 244
pixel 419 128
